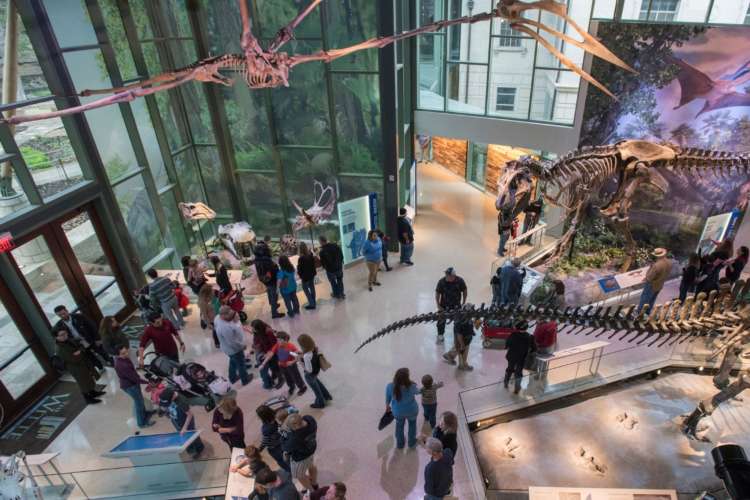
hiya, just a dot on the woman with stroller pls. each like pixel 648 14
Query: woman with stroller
pixel 287 279
pixel 208 305
pixel 229 422
pixel 311 362
pixel 264 339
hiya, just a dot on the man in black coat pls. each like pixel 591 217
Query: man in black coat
pixel 405 238
pixel 518 346
pixel 83 330
pixel 332 260
pixel 267 270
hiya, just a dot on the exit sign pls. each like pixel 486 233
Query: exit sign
pixel 6 242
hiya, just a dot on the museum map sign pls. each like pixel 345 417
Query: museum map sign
pixel 355 221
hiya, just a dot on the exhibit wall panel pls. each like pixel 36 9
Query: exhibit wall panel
pixel 671 106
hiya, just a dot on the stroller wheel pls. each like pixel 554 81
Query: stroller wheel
pixel 243 317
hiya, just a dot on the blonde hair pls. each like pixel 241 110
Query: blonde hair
pixel 306 342
pixel 227 406
pixel 206 293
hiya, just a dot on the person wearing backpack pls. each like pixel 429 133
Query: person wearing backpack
pixel 267 274
pixel 311 362
pixel 300 447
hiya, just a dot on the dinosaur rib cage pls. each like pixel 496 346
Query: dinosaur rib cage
pixel 711 315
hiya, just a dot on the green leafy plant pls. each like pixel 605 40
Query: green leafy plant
pixel 34 158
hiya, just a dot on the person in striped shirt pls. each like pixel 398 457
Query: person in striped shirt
pixel 161 291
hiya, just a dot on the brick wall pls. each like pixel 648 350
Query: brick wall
pixel 450 153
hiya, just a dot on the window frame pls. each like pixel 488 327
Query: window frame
pixel 505 93
pixel 651 10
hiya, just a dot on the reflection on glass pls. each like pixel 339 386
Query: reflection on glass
pixel 261 193
pixel 70 22
pixel 106 124
pixel 187 175
pixel 175 230
pixel 139 217
pixel 21 374
pixel 43 276
pixel 275 14
pixel 467 88
pixel 349 23
pixel 358 123
pixel 430 63
pixel 150 143
pixel 215 181
pixel 468 42
pixel 93 262
pixel 554 96
pixel 11 340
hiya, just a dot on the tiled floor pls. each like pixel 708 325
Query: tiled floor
pixel 456 226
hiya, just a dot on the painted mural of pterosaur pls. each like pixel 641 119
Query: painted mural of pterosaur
pixel 718 94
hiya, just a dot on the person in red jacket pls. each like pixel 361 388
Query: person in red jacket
pixel 545 336
pixel 162 333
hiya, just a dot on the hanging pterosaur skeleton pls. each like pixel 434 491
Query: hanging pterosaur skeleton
pixel 268 68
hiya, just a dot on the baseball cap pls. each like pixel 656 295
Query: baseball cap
pixel 450 270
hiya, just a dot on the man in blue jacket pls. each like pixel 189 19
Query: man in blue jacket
pixel 511 281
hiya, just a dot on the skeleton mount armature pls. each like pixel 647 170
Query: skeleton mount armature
pixel 263 68
pixel 724 316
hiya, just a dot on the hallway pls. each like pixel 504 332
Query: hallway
pixel 455 226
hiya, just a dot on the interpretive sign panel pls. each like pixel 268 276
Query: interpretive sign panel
pixel 714 230
pixel 549 493
pixel 354 224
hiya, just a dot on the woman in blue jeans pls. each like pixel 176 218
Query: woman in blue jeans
pixel 288 285
pixel 400 399
pixel 311 362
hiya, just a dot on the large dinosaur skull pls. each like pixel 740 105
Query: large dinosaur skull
pixel 516 182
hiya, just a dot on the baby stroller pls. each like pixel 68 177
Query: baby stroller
pixel 235 300
pixel 192 380
pixel 496 331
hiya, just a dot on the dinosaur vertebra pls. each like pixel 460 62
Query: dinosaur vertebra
pixel 578 177
pixel 267 68
pixel 668 323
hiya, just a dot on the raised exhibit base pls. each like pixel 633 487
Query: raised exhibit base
pixel 626 438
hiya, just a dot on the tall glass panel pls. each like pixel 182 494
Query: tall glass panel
pixel 139 217
pixel 468 42
pixel 430 63
pixel 301 168
pixel 43 276
pixel 214 179
pixel 150 143
pixel 349 23
pixel 248 123
pixel 358 123
pixel 554 96
pixel 19 376
pixel 176 235
pixel 11 340
pixel 511 73
pixel 187 175
pixel 70 22
pixel 467 88
pixel 275 14
pixel 301 111
pixel 106 124
pixel 94 263
pixel 261 193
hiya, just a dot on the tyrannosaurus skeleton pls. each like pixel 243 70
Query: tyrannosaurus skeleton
pixel 670 323
pixel 268 68
pixel 576 179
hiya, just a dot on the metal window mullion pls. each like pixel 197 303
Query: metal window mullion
pixel 533 72
pixel 110 64
pixel 19 166
pixel 275 151
pixel 331 97
pixel 489 73
pixel 217 113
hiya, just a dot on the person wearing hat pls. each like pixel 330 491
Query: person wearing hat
pixel 438 473
pixel 451 292
pixel 182 418
pixel 518 346
pixel 655 277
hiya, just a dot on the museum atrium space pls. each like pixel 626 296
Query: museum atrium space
pixel 395 249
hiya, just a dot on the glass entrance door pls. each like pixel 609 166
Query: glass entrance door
pixel 68 262
pixel 477 164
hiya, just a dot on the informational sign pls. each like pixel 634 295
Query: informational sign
pixel 373 199
pixel 608 284
pixel 355 221
pixel 631 278
pixel 551 493
pixel 532 280
pixel 6 242
pixel 715 229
